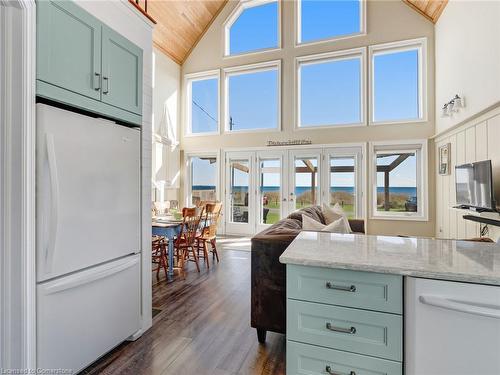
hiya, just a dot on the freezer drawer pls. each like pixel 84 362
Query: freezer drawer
pixel 452 328
pixel 88 191
pixel 82 316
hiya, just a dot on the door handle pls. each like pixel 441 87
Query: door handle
pixel 492 311
pixel 350 330
pixel 97 81
pixel 54 198
pixel 105 80
pixel 329 371
pixel 344 288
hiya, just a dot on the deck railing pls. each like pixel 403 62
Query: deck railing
pixel 142 7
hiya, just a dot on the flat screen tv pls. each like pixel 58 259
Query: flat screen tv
pixel 474 186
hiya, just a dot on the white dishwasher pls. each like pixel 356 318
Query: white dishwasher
pixel 451 328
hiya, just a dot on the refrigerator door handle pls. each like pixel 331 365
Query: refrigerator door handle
pixel 54 202
pixel 86 277
pixel 491 311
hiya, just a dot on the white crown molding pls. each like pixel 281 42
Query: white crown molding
pixel 18 284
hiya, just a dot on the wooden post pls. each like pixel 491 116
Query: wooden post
pixel 387 204
pixel 313 188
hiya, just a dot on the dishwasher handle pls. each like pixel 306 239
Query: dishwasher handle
pixel 491 311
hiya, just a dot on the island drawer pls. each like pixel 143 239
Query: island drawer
pixel 353 330
pixel 315 360
pixel 363 290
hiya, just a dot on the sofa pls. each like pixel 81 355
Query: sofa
pixel 268 275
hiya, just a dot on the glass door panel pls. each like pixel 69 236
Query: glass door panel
pixel 305 179
pixel 239 197
pixel 342 189
pixel 271 188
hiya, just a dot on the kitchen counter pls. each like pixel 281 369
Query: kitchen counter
pixel 473 262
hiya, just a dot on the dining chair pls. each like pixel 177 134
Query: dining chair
pixel 185 243
pixel 208 234
pixel 159 254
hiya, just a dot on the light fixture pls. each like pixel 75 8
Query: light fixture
pixel 453 106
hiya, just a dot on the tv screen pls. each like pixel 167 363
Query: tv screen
pixel 474 185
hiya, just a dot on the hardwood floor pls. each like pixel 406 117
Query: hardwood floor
pixel 202 328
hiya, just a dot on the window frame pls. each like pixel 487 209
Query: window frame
pixel 329 57
pixel 188 80
pixel 298 27
pixel 188 193
pixel 420 146
pixel 235 14
pixel 419 44
pixel 246 69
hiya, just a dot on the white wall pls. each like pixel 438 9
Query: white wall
pixel 166 92
pixel 387 21
pixel 474 141
pixel 467 58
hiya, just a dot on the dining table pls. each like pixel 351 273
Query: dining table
pixel 170 229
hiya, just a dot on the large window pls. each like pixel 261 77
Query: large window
pixel 399 188
pixel 202 103
pixel 330 89
pixel 397 86
pixel 203 178
pixel 253 97
pixel 320 20
pixel 253 26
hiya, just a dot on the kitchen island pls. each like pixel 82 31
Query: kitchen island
pixel 361 304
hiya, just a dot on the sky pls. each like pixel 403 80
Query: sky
pixel 330 91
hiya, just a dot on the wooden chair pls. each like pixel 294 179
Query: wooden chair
pixel 159 254
pixel 185 243
pixel 210 220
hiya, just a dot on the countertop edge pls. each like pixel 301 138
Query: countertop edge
pixel 484 280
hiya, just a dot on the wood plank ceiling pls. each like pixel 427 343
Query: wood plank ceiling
pixel 182 23
pixel 430 9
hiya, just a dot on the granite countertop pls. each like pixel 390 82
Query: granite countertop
pixel 474 262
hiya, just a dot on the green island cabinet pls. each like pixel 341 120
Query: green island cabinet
pixel 83 63
pixel 343 322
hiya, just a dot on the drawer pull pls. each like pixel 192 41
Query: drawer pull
pixel 329 370
pixel 345 288
pixel 351 330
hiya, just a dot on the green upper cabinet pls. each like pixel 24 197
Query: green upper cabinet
pixel 69 48
pixel 83 63
pixel 121 72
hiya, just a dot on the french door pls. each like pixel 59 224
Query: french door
pixel 262 187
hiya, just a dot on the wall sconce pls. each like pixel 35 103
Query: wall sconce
pixel 452 106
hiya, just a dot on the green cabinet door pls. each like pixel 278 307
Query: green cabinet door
pixel 121 72
pixel 69 48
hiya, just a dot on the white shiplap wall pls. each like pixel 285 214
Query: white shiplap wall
pixel 476 140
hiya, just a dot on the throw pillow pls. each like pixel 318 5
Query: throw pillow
pixel 338 226
pixel 334 213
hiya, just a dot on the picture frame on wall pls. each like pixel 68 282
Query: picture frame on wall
pixel 444 159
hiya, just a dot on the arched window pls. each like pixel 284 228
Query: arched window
pixel 253 26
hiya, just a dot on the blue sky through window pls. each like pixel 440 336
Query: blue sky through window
pixel 253 100
pixel 256 28
pixel 404 175
pixel 203 172
pixel 321 19
pixel 395 93
pixel 330 93
pixel 204 105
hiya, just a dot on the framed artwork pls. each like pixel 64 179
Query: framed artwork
pixel 444 159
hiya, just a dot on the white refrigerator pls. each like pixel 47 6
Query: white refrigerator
pixel 88 237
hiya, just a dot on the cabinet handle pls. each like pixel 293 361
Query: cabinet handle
pixel 97 86
pixel 329 370
pixel 344 288
pixel 106 90
pixel 351 330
